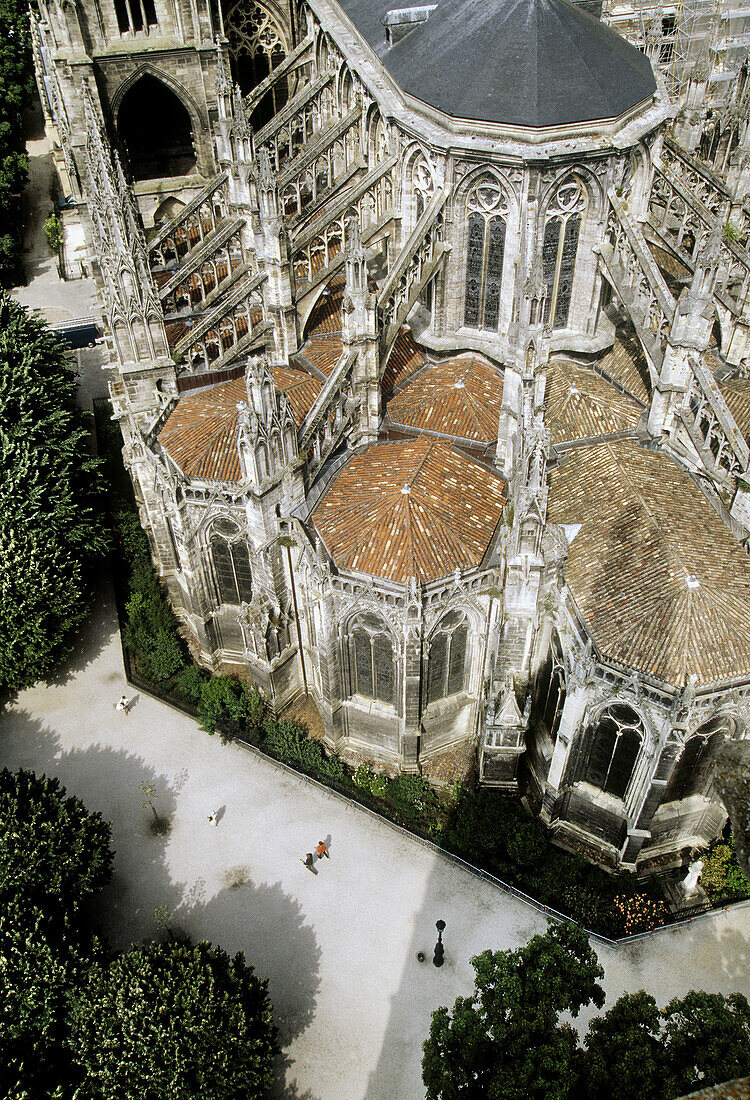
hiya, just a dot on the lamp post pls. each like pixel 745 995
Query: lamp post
pixel 438 957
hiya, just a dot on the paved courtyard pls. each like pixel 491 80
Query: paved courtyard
pixel 352 1001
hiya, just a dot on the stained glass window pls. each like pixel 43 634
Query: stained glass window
pixel 474 261
pixel 232 571
pixel 567 270
pixel 372 654
pixel 447 665
pixel 487 207
pixel 613 747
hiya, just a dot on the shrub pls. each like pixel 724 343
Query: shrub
pixel 373 782
pixel 722 876
pixel 411 796
pixel 528 844
pixel 227 698
pixel 189 683
pixel 53 231
pixel 290 742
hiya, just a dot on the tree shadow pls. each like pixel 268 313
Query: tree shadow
pixel 146 899
pixel 98 629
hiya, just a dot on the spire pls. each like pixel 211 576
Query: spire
pixel 265 171
pixel 241 127
pixel 223 83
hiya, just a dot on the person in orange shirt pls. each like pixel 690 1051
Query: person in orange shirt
pixel 322 850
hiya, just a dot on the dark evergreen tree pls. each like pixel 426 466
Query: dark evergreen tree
pixel 174 1020
pixel 50 532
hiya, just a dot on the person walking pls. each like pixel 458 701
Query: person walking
pixel 123 705
pixel 308 862
pixel 322 850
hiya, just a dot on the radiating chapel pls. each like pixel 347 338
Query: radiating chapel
pixel 429 351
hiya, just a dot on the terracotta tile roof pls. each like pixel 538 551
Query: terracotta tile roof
pixel 323 351
pixel 300 387
pixel 627 365
pixel 446 519
pixel 460 397
pixel 323 345
pixel 405 358
pixel 736 393
pixel 579 404
pixel 200 434
pixel 659 579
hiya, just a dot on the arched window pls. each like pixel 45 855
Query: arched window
pixel 612 747
pixel 692 772
pixel 256 47
pixel 446 670
pixel 134 15
pixel 231 563
pixel 549 696
pixel 561 233
pixel 155 130
pixel 487 210
pixel 372 660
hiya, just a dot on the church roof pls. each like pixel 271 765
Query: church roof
pixel 659 579
pixel 460 397
pixel 579 404
pixel 534 63
pixel 200 434
pixel 410 509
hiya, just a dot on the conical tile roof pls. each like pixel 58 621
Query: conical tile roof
pixel 533 63
pixel 461 397
pixel 410 509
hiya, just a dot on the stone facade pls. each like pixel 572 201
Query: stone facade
pixel 274 286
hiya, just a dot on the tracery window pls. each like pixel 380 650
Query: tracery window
pixel 487 210
pixel 446 670
pixel 256 48
pixel 692 772
pixel 231 564
pixel 559 249
pixel 612 748
pixel 372 667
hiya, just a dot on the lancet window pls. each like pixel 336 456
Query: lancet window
pixel 692 772
pixel 559 249
pixel 231 564
pixel 550 689
pixel 446 672
pixel 611 749
pixel 487 211
pixel 372 667
pixel 423 185
pixel 256 48
pixel 135 15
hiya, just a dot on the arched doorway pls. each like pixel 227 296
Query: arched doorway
pixel 155 131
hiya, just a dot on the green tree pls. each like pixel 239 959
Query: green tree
pixel 16 89
pixel 506 1040
pixel 171 1022
pixel 707 1040
pixel 50 533
pixel 624 1054
pixel 54 856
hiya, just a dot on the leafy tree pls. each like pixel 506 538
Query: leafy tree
pixel 16 89
pixel 54 856
pixel 506 1040
pixel 171 1022
pixel 226 697
pixel 707 1040
pixel 624 1054
pixel 49 488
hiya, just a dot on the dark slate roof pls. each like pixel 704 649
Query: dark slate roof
pixel 521 62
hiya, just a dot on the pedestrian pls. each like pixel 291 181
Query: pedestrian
pixel 322 850
pixel 123 705
pixel 308 862
pixel 210 818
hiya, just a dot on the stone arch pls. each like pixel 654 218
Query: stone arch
pixel 166 146
pixel 228 561
pixel 612 742
pixel 167 209
pixel 418 183
pixel 693 769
